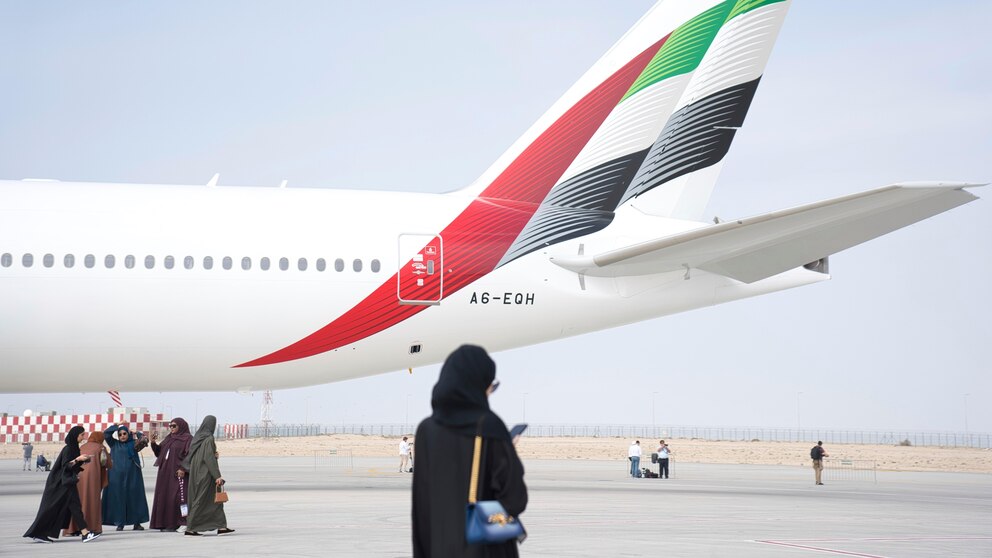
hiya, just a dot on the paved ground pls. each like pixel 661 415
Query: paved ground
pixel 337 506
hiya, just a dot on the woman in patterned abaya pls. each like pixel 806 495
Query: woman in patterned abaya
pixel 169 458
pixel 124 500
pixel 445 442
pixel 204 480
pixel 61 499
pixel 92 480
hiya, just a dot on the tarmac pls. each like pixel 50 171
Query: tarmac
pixel 343 506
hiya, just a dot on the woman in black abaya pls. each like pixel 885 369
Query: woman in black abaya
pixel 444 444
pixel 60 501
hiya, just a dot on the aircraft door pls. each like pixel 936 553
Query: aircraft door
pixel 420 279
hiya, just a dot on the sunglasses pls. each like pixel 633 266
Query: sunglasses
pixel 173 426
pixel 494 386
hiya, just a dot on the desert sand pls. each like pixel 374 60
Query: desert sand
pixel 886 458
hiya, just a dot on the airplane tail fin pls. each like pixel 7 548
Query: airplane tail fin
pixel 648 125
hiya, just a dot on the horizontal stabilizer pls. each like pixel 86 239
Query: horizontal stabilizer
pixel 758 247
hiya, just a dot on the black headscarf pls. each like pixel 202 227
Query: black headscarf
pixel 71 449
pixel 206 431
pixel 459 398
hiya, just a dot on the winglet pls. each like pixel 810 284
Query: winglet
pixel 213 181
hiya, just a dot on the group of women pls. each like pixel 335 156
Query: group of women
pixel 462 448
pixel 89 486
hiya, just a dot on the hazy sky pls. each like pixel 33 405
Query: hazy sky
pixel 423 96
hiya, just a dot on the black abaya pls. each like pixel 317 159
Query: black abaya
pixel 444 446
pixel 61 498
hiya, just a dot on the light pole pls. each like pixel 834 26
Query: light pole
pixel 966 412
pixel 196 413
pixel 799 422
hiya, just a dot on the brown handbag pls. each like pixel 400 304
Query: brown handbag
pixel 220 496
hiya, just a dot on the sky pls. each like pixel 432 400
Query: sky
pixel 425 96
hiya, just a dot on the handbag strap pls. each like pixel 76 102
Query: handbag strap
pixel 473 486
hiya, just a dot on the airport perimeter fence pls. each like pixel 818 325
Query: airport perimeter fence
pixel 712 433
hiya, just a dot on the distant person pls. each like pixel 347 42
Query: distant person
pixel 634 455
pixel 124 501
pixel 663 454
pixel 92 480
pixel 404 454
pixel 42 464
pixel 169 456
pixel 203 473
pixel 818 453
pixel 444 444
pixel 60 501
pixel 28 448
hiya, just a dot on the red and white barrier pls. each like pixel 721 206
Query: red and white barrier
pixel 235 431
pixel 53 428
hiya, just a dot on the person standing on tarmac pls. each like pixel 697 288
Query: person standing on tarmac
pixel 634 455
pixel 818 453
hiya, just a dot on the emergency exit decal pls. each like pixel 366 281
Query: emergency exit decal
pixel 421 274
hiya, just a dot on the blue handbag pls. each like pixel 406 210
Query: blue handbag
pixel 487 522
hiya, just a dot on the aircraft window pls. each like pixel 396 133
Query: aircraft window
pixel 27 260
pixel 246 263
pixel 283 264
pixel 339 265
pixel 264 264
pixel 149 262
pixel 129 261
pixel 69 260
pixel 376 266
pixel 321 264
pixel 208 262
pixel 89 261
pixel 302 264
pixel 356 265
pixel 6 259
pixel 48 260
pixel 169 262
pixel 226 262
pixel 188 262
pixel 109 261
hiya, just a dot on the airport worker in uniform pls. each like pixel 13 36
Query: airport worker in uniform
pixel 169 457
pixel 818 453
pixel 634 455
pixel 204 480
pixel 444 445
pixel 60 501
pixel 124 500
pixel 92 480
pixel 663 455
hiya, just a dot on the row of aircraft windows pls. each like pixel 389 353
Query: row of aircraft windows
pixel 188 262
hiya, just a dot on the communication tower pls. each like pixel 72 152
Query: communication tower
pixel 266 412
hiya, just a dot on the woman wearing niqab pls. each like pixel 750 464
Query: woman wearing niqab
pixel 92 480
pixel 124 500
pixel 204 479
pixel 169 459
pixel 60 501
pixel 444 446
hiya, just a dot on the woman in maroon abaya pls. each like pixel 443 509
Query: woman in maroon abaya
pixel 169 455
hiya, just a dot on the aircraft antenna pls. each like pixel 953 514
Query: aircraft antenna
pixel 266 412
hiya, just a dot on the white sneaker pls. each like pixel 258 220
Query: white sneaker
pixel 91 536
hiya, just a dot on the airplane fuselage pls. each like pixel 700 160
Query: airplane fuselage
pixel 127 300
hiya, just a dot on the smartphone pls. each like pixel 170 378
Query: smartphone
pixel 517 430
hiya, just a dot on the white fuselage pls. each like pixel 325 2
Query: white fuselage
pixel 125 325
